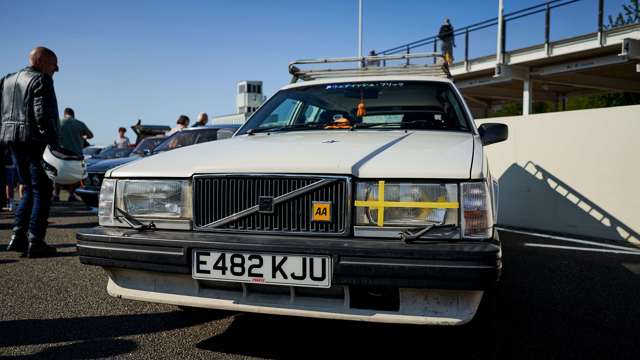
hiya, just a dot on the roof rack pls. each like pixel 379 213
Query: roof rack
pixel 371 66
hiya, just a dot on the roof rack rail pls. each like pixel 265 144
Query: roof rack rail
pixel 370 66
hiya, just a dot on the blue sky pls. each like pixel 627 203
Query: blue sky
pixel 154 60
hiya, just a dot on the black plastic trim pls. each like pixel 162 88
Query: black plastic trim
pixel 356 261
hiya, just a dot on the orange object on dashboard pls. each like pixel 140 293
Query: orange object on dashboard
pixel 362 110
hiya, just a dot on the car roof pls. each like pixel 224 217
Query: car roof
pixel 212 127
pixel 366 79
pixel 154 137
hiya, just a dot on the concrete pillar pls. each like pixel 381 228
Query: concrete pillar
pixel 527 96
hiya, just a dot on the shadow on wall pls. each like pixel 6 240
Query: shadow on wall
pixel 532 198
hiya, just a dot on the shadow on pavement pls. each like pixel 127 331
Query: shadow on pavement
pixel 62 246
pixel 553 206
pixel 266 336
pixel 46 331
pixel 550 304
pixel 7 261
pixel 93 349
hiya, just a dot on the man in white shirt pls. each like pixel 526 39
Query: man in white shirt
pixel 121 141
pixel 181 123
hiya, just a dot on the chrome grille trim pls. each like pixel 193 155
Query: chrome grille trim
pixel 236 212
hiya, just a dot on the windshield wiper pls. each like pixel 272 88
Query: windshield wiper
pixel 281 127
pixel 409 236
pixel 133 222
pixel 387 124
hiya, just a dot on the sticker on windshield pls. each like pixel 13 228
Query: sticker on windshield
pixel 365 85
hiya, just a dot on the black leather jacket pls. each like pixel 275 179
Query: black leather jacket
pixel 28 109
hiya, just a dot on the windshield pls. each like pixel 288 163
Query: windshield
pixel 91 150
pixel 416 105
pixel 186 138
pixel 147 144
pixel 113 153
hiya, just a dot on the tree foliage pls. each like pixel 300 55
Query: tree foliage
pixel 514 108
pixel 630 14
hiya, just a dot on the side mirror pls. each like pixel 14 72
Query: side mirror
pixel 146 152
pixel 491 133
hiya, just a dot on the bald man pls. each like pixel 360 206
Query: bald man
pixel 203 119
pixel 29 122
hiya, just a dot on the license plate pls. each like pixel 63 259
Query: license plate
pixel 274 269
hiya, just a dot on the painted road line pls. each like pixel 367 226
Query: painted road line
pixel 564 238
pixel 575 248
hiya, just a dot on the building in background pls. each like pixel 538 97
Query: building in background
pixel 249 97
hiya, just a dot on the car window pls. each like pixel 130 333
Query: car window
pixel 226 133
pixel 114 153
pixel 416 105
pixel 208 135
pixel 91 151
pixel 283 113
pixel 147 144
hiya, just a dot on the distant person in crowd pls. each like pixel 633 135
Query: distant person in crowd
pixel 181 123
pixel 73 132
pixel 448 41
pixel 73 135
pixel 373 62
pixel 203 119
pixel 28 123
pixel 121 142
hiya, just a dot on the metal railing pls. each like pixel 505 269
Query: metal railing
pixel 545 8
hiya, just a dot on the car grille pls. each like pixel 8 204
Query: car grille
pixel 218 197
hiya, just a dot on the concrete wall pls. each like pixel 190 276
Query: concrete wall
pixel 238 119
pixel 575 172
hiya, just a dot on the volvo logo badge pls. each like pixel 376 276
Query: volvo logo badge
pixel 265 204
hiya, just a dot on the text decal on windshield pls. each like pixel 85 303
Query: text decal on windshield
pixel 364 85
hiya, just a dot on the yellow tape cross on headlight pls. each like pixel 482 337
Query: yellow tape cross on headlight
pixel 380 204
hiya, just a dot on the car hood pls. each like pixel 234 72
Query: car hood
pixel 362 153
pixel 107 164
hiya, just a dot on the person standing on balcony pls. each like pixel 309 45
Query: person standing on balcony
pixel 448 41
pixel 372 63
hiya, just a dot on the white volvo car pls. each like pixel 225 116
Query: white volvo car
pixel 357 194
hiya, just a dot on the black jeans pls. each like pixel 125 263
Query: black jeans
pixel 33 212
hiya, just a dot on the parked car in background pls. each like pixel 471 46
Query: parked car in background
pixel 144 131
pixel 357 194
pixel 110 152
pixel 147 147
pixel 91 151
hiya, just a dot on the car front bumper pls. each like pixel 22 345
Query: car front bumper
pixel 436 283
pixel 470 265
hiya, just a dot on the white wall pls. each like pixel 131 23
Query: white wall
pixel 575 172
pixel 229 119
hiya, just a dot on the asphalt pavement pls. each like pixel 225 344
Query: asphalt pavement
pixel 556 300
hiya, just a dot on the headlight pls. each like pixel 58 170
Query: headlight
pixel 155 199
pixel 399 204
pixel 477 219
pixel 105 207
